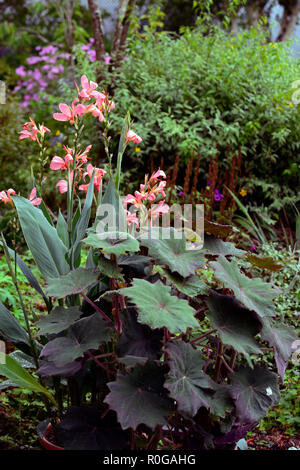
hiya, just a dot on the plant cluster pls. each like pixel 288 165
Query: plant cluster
pixel 144 352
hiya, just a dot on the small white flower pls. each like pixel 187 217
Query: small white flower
pixel 269 391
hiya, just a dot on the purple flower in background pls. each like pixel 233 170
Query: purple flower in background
pixel 218 196
pixel 21 71
pixel 180 193
pixel 107 59
pixel 37 74
pixel 49 50
pixel 253 247
pixel 33 60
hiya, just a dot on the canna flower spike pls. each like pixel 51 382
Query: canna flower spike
pixel 31 131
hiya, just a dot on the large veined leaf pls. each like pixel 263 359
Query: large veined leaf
pixel 186 381
pixel 222 402
pixel 42 239
pixel 136 339
pixel 157 308
pixel 134 265
pixel 253 293
pixel 266 262
pixel 113 243
pixel 87 333
pixel 254 391
pixel 84 428
pixel 108 267
pixel 74 282
pixel 281 338
pixel 190 286
pixel 49 369
pixel 58 320
pixel 172 252
pixel 17 374
pixel 139 397
pixel 236 325
pixel 215 246
pixel 12 331
pixel 220 231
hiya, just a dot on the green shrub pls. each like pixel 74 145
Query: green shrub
pixel 198 93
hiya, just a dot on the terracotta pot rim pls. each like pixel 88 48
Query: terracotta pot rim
pixel 46 443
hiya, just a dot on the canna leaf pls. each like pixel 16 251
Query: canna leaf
pixel 13 371
pixel 42 239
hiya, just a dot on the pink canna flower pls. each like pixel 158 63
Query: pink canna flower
pixel 82 156
pixel 100 99
pixel 69 113
pixel 58 163
pixel 63 184
pixel 84 187
pixel 161 208
pixel 31 130
pixel 95 112
pixel 157 174
pixel 132 218
pixel 99 173
pixel 133 137
pixel 103 102
pixel 35 201
pixel 88 88
pixel 6 197
pixel 136 200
